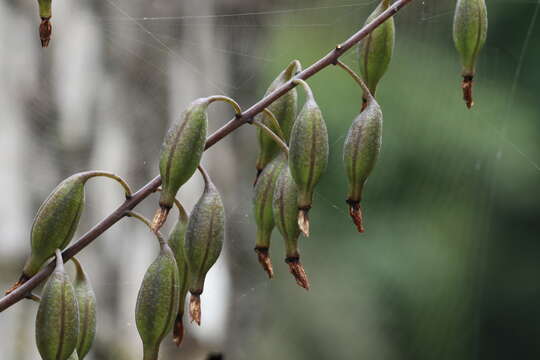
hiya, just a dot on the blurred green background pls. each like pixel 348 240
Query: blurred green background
pixel 449 265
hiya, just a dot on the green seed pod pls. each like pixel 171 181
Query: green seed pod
pixel 157 301
pixel 180 155
pixel 284 109
pixel 74 356
pixel 45 27
pixel 470 32
pixel 375 50
pixel 176 242
pixel 204 240
pixel 55 222
pixel 360 153
pixel 262 207
pixel 87 310
pixel 57 321
pixel 308 154
pixel 285 209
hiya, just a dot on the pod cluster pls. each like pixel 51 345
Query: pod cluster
pixel 66 317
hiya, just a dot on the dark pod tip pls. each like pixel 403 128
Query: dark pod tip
pixel 356 214
pixel 303 221
pixel 297 270
pixel 195 308
pixel 264 260
pixel 467 87
pixel 178 329
pixel 45 30
pixel 159 218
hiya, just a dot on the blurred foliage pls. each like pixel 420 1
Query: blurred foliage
pixel 448 267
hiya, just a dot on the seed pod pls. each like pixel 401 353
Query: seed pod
pixel 284 109
pixel 45 27
pixel 57 321
pixel 87 310
pixel 375 50
pixel 285 211
pixel 470 32
pixel 176 242
pixel 262 207
pixel 360 153
pixel 55 222
pixel 308 154
pixel 204 240
pixel 157 301
pixel 74 356
pixel 180 155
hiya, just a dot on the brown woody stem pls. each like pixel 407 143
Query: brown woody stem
pixel 325 61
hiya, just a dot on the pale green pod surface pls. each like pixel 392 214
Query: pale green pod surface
pixel 285 209
pixel 308 151
pixel 86 300
pixel 470 31
pixel 284 109
pixel 182 150
pixel 375 50
pixel 262 208
pixel 204 236
pixel 176 242
pixel 362 147
pixel 157 302
pixel 56 222
pixel 74 356
pixel 44 8
pixel 57 321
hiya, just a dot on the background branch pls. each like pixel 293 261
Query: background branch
pixel 329 59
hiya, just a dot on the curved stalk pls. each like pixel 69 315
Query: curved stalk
pixel 356 78
pixel 228 100
pixel 273 135
pixel 147 222
pixel 122 182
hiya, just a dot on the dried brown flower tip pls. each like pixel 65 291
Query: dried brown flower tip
pixel 195 308
pixel 298 271
pixel 467 86
pixel 264 260
pixel 356 214
pixel 178 330
pixel 159 218
pixel 303 221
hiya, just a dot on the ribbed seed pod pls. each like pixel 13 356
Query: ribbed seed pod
pixel 285 211
pixel 176 242
pixel 45 27
pixel 360 153
pixel 86 300
pixel 308 154
pixel 57 321
pixel 470 32
pixel 57 219
pixel 180 155
pixel 262 208
pixel 157 301
pixel 55 222
pixel 204 240
pixel 375 50
pixel 284 109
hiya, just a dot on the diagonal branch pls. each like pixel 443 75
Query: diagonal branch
pixel 327 60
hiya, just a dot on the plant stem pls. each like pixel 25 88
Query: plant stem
pixel 329 59
pixel 275 123
pixel 125 185
pixel 228 100
pixel 147 222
